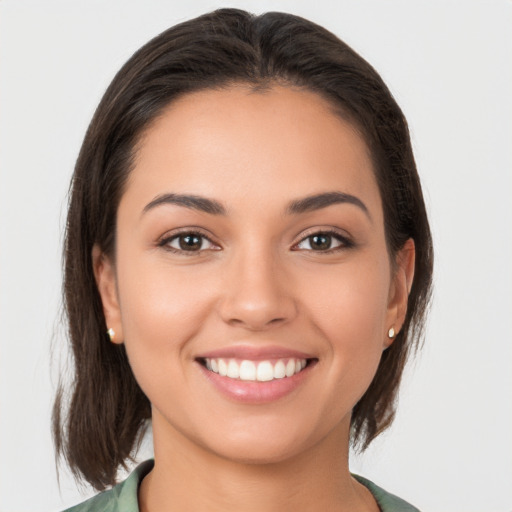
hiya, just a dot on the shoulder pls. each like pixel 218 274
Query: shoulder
pixel 387 502
pixel 121 498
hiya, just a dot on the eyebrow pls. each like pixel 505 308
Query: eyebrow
pixel 318 201
pixel 193 202
pixel 297 206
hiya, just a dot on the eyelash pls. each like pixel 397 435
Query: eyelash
pixel 345 243
pixel 166 241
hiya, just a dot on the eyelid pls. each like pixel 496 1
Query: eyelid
pixel 166 238
pixel 345 240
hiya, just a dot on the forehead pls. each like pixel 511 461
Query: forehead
pixel 258 147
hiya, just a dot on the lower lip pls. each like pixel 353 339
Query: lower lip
pixel 255 392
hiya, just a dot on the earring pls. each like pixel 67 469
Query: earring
pixel 111 333
pixel 391 333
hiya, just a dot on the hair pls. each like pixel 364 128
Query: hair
pixel 101 420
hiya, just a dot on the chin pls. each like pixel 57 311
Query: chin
pixel 264 444
pixel 259 453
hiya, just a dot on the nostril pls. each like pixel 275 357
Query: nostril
pixel 255 322
pixel 276 320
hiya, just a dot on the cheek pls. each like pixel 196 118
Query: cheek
pixel 158 298
pixel 354 296
pixel 162 309
pixel 351 312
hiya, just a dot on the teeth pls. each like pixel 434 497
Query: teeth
pixel 233 370
pixel 265 372
pixel 279 370
pixel 290 368
pixel 262 371
pixel 247 370
pixel 223 368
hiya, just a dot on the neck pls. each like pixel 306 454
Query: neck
pixel 189 477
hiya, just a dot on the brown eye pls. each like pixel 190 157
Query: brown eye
pixel 320 242
pixel 190 242
pixel 323 242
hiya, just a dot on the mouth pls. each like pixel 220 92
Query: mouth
pixel 266 370
pixel 256 374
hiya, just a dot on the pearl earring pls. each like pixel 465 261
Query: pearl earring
pixel 111 333
pixel 391 333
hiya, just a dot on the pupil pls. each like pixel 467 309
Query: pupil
pixel 320 242
pixel 190 242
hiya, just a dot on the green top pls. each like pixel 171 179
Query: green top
pixel 123 497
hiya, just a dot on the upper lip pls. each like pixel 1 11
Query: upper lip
pixel 255 353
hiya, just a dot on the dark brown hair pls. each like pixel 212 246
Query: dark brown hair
pixel 97 425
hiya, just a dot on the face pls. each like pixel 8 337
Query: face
pixel 252 284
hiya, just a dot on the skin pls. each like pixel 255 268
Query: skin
pixel 258 282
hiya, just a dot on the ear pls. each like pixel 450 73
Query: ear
pixel 400 288
pixel 105 275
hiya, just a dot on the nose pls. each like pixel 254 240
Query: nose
pixel 257 293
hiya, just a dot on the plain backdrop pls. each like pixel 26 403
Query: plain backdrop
pixel 448 63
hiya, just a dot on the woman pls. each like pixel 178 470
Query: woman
pixel 248 265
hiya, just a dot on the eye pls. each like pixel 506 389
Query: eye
pixel 188 242
pixel 323 242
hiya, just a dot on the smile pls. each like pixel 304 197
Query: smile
pixel 261 371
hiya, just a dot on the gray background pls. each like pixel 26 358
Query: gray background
pixel 449 64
